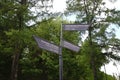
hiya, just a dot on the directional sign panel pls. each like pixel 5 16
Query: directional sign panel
pixel 75 27
pixel 47 45
pixel 70 46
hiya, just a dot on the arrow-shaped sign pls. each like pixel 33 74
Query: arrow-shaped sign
pixel 47 45
pixel 70 46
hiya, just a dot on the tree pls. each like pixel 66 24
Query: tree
pixel 15 15
pixel 90 12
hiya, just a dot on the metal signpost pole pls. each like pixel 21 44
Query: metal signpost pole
pixel 60 56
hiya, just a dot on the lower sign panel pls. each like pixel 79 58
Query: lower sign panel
pixel 47 45
pixel 70 46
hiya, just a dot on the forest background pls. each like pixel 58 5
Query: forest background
pixel 20 57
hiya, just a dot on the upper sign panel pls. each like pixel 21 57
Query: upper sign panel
pixel 75 27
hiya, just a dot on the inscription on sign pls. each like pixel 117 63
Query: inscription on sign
pixel 70 46
pixel 47 45
pixel 75 27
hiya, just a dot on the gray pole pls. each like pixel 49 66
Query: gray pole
pixel 60 56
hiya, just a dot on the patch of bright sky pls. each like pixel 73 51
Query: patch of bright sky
pixel 110 4
pixel 59 5
pixel 117 30
pixel 114 5
pixel 112 69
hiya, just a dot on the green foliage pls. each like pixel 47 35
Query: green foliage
pixel 15 37
pixel 99 36
pixel 16 41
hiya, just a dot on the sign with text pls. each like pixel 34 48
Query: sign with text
pixel 75 27
pixel 70 46
pixel 47 45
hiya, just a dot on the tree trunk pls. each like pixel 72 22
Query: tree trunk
pixel 93 67
pixel 92 60
pixel 15 64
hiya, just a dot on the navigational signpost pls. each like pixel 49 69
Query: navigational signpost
pixel 44 44
pixel 63 43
